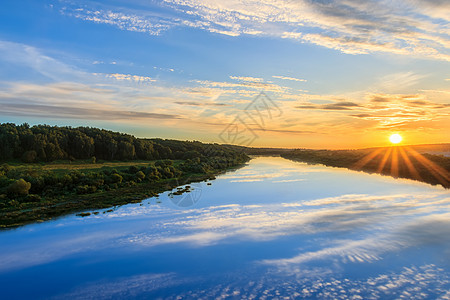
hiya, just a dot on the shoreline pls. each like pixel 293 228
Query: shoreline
pixel 63 205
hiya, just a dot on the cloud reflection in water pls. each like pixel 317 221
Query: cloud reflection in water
pixel 327 237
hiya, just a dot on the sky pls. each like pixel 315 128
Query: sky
pixel 315 74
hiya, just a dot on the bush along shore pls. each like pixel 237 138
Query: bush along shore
pixel 37 185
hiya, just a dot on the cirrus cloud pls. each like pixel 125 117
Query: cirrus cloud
pixel 412 28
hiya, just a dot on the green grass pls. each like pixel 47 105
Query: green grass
pixel 85 165
pixel 65 167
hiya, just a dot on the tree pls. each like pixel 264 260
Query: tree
pixel 19 187
pixel 126 150
pixel 29 156
pixel 52 143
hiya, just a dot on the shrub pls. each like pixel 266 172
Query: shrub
pixel 153 178
pixel 128 177
pixel 19 187
pixel 164 163
pixel 116 178
pixel 3 197
pixel 37 184
pixel 5 181
pixel 5 168
pixel 140 175
pixel 151 170
pixel 91 189
pixel 29 156
pixel 82 189
pixel 66 179
pixel 14 203
pixel 133 169
pixel 32 198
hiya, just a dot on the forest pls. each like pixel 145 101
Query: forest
pixel 47 171
pixel 43 143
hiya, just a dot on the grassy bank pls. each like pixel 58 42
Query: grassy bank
pixel 75 203
pixel 39 192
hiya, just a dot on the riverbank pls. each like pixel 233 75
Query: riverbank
pixel 397 161
pixel 58 189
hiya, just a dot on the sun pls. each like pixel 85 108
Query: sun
pixel 395 138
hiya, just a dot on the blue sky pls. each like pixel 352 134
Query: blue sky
pixel 342 73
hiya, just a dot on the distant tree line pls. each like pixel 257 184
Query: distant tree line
pixel 44 143
pixel 380 163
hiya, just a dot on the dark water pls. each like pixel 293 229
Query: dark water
pixel 273 229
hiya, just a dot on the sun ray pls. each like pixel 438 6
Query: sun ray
pixel 439 173
pixel 394 162
pixel 412 170
pixel 384 160
pixel 363 161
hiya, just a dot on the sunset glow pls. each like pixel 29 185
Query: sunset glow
pixel 177 69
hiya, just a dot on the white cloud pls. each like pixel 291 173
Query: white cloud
pixel 289 78
pixel 288 180
pixel 343 213
pixel 128 77
pixel 65 92
pixel 396 82
pixel 124 287
pixel 365 250
pixel 244 83
pixel 34 60
pixel 353 27
pixel 247 79
pixel 132 22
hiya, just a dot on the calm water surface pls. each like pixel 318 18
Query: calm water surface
pixel 273 229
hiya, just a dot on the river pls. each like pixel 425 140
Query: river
pixel 272 229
